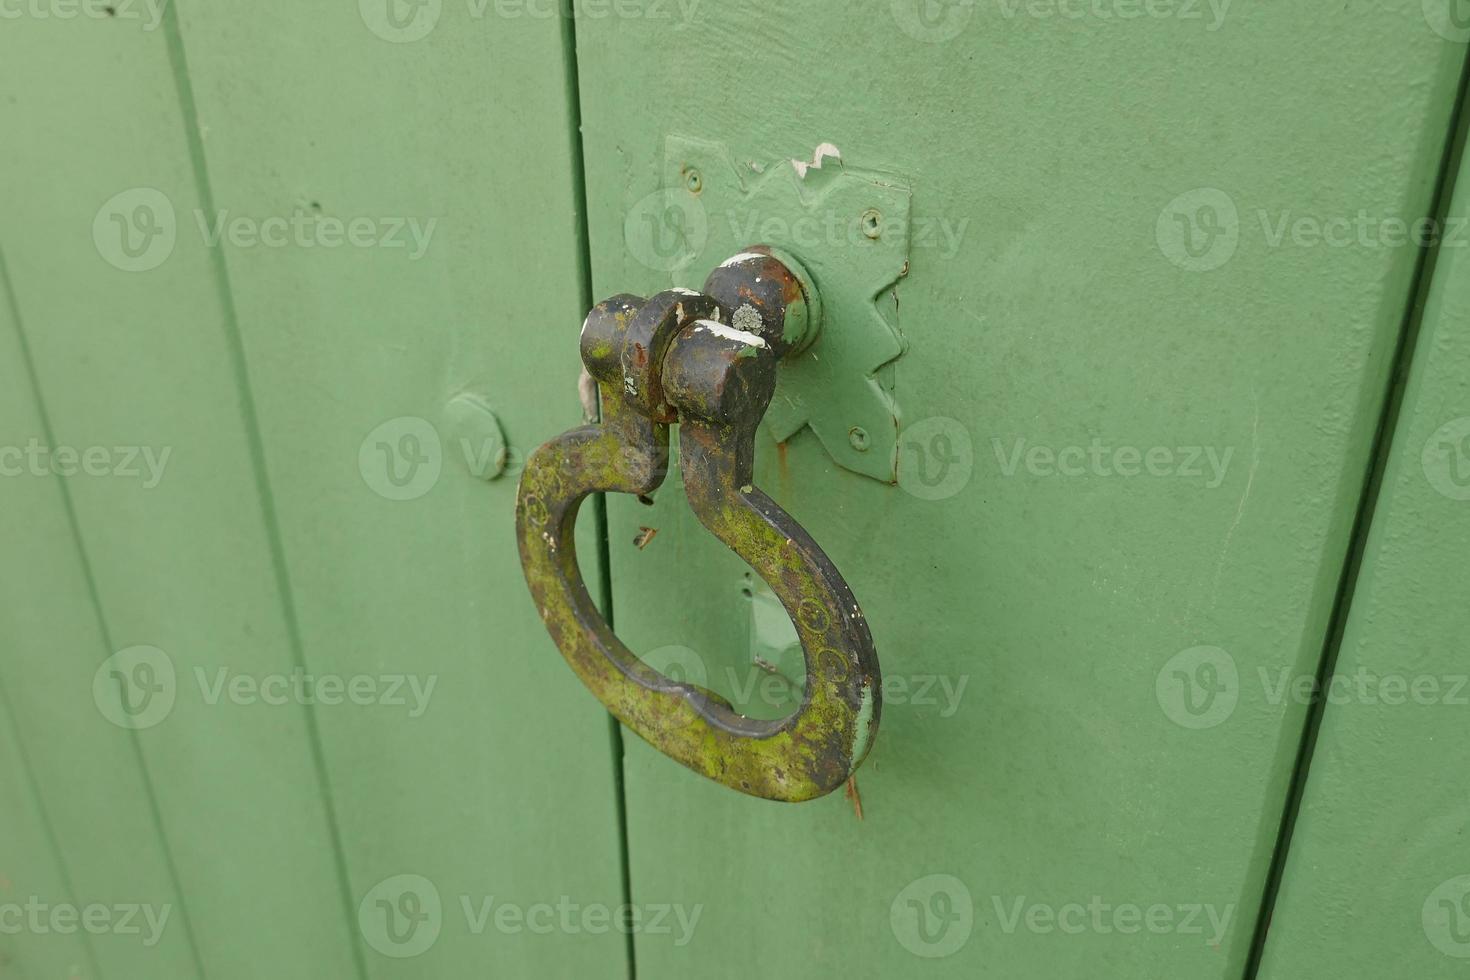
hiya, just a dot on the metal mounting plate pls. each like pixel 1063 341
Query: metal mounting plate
pixel 850 228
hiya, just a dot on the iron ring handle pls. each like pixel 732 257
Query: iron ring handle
pixel 673 358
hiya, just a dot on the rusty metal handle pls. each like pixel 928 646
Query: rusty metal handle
pixel 676 357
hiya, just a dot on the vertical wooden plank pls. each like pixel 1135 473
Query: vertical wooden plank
pixel 87 769
pixel 1079 770
pixel 372 366
pixel 140 365
pixel 1377 879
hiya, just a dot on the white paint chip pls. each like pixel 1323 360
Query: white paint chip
pixel 742 257
pixel 730 333
pixel 824 151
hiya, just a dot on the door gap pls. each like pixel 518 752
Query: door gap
pixel 599 501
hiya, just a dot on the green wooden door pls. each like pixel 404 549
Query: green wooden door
pixel 1119 288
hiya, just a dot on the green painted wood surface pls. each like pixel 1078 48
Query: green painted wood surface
pixel 1376 879
pixel 1103 795
pixel 271 543
pixel 1061 783
pixel 29 866
pixel 84 774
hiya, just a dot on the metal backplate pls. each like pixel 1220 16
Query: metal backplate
pixel 850 228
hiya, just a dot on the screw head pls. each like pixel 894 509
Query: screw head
pixel 857 436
